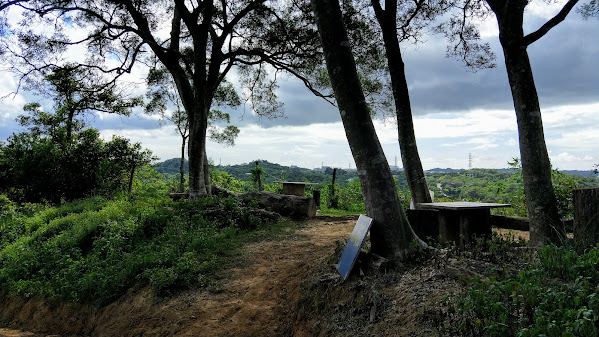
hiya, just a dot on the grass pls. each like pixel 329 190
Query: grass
pixel 557 295
pixel 335 212
pixel 94 250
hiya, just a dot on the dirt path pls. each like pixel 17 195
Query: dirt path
pixel 258 300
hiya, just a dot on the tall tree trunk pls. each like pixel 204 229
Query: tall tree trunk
pixel 182 166
pixel 206 169
pixel 410 158
pixel 198 123
pixel 391 232
pixel 545 224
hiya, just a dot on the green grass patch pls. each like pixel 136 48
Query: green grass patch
pixel 94 250
pixel 556 296
pixel 336 212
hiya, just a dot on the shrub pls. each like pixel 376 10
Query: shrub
pixel 558 296
pixel 35 168
pixel 93 250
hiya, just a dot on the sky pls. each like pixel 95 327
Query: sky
pixel 458 114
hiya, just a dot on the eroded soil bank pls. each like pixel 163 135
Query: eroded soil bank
pixel 259 297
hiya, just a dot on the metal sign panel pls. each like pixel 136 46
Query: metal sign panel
pixel 348 258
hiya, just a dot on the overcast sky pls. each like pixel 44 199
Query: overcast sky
pixel 456 112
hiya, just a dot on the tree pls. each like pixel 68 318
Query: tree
pixel 35 167
pixel 398 21
pixel 122 159
pixel 391 232
pixel 545 224
pixel 205 41
pixel 413 17
pixel 387 19
pixel 75 91
pixel 58 158
pixel 162 92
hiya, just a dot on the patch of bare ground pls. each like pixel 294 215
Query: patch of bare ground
pixel 400 301
pixel 396 300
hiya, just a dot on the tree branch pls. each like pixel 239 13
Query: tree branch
pixel 7 4
pixel 534 36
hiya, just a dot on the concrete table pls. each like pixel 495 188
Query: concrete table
pixel 294 187
pixel 461 221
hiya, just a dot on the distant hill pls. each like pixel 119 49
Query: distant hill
pixel 276 172
pixel 580 173
pixel 272 172
pixel 171 166
pixel 445 170
pixel 450 170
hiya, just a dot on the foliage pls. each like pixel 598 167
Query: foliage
pixel 171 166
pixel 162 94
pixel 589 10
pixel 94 250
pixel 75 91
pixel 349 198
pixel 332 197
pixel 556 296
pixel 226 181
pixel 35 168
pixel 60 160
pixel 563 185
pixel 274 172
pixel 259 39
pixel 256 174
pixel 488 185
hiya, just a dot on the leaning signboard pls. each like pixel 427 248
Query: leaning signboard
pixel 348 258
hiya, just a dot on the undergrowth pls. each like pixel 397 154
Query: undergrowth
pixel 94 250
pixel 557 295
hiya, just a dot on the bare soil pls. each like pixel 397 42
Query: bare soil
pixel 281 287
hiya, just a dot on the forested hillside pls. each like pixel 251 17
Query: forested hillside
pixel 271 172
pixel 487 185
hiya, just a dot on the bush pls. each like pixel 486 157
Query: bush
pixel 563 185
pixel 93 250
pixel 558 296
pixel 35 168
pixel 349 198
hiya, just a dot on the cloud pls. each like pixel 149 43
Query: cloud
pixel 456 112
pixel 444 140
pixel 471 123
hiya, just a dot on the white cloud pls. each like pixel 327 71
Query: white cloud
pixel 571 131
pixel 164 142
pixel 473 123
pixel 444 139
pixel 571 115
pixel 565 157
pixel 543 9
